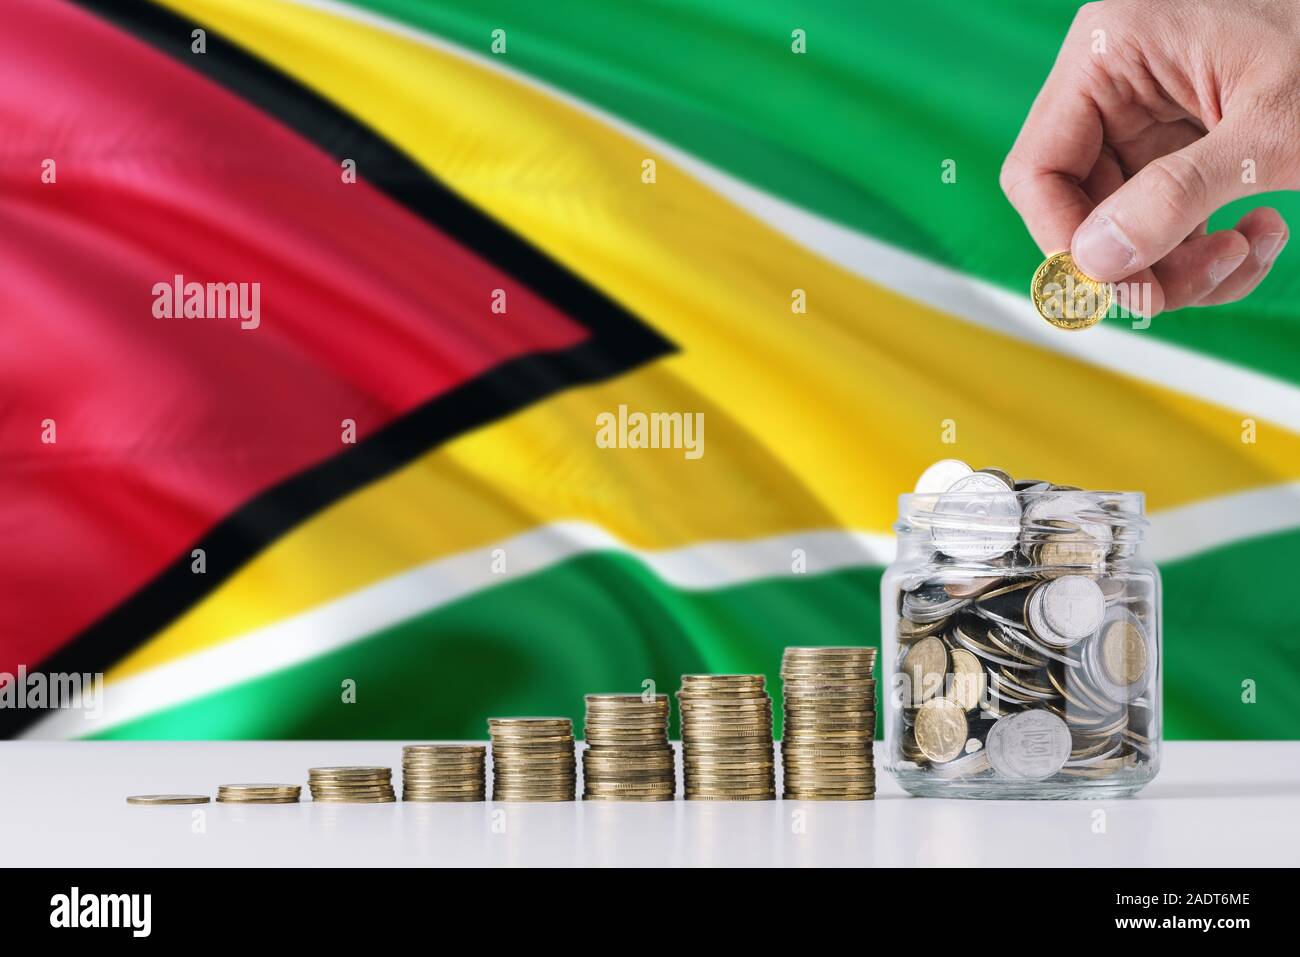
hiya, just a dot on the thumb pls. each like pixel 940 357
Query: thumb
pixel 1159 207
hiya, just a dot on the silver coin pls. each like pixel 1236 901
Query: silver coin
pixel 966 766
pixel 970 587
pixel 1077 510
pixel 1037 646
pixel 1006 478
pixel 1028 746
pixel 1115 590
pixel 1015 642
pixel 929 604
pixel 972 644
pixel 1130 649
pixel 1095 759
pixel 1033 485
pixel 912 580
pixel 1038 626
pixel 940 476
pixel 1005 696
pixel 978 518
pixel 1073 607
pixel 1019 690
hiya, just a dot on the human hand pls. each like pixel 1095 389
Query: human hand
pixel 1157 113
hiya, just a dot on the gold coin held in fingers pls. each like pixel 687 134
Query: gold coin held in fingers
pixel 1066 297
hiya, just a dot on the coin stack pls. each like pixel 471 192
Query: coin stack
pixel 259 793
pixel 628 757
pixel 1028 639
pixel 354 785
pixel 444 772
pixel 830 723
pixel 727 751
pixel 532 759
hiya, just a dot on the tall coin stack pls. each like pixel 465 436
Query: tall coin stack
pixel 354 785
pixel 444 772
pixel 532 759
pixel 628 757
pixel 727 738
pixel 830 723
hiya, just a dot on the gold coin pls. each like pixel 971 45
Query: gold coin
pixel 1124 652
pixel 817 796
pixel 161 799
pixel 445 770
pixel 706 684
pixel 244 800
pixel 445 799
pixel 425 784
pixel 941 729
pixel 629 785
pixel 533 798
pixel 391 799
pixel 363 786
pixel 722 700
pixel 1072 550
pixel 1065 296
pixel 512 752
pixel 629 797
pixel 357 770
pixel 925 665
pixel 968 679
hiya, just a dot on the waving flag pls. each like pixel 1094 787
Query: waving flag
pixel 479 231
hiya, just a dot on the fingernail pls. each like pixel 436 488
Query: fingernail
pixel 1223 268
pixel 1269 246
pixel 1102 250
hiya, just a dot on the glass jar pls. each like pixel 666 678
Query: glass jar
pixel 1021 640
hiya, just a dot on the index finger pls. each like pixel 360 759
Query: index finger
pixel 1057 148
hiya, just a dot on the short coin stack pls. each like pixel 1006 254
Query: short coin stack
pixel 259 793
pixel 532 759
pixel 353 785
pixel 830 723
pixel 444 772
pixel 628 757
pixel 727 750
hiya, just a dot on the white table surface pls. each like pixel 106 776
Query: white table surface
pixel 64 804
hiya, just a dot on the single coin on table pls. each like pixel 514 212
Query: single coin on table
pixel 160 799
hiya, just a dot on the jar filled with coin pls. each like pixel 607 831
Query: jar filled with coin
pixel 1021 638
